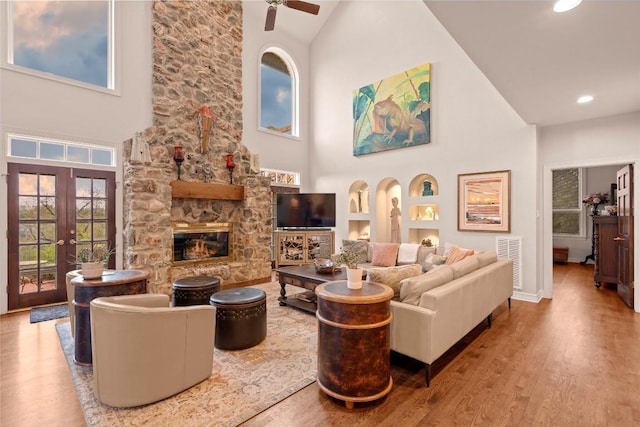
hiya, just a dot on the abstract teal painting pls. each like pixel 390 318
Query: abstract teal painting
pixel 393 113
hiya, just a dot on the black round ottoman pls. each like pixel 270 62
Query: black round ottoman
pixel 194 290
pixel 241 318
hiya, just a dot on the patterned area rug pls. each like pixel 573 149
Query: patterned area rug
pixel 42 314
pixel 242 384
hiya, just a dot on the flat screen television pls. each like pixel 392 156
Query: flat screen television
pixel 306 210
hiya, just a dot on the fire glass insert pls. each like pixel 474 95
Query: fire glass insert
pixel 202 242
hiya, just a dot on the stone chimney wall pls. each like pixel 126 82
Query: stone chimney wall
pixel 197 62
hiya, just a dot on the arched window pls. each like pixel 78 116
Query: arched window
pixel 278 93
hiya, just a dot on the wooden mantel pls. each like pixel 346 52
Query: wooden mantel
pixel 204 190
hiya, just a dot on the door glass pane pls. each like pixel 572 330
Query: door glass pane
pixel 83 231
pixel 77 154
pixel 83 209
pixel 47 255
pixel 28 281
pixel 99 188
pixel 28 232
pixel 99 209
pixel 48 280
pixel 28 256
pixel 83 187
pixel 22 148
pixel 47 208
pixel 100 230
pixel 48 232
pixel 47 185
pixel 28 207
pixel 27 184
pixel 51 151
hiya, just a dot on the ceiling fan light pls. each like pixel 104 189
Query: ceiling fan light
pixel 585 99
pixel 565 5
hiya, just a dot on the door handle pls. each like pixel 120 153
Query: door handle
pixel 72 241
pixel 617 239
pixel 60 242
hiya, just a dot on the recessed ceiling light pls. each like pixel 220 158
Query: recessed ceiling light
pixel 584 99
pixel 564 5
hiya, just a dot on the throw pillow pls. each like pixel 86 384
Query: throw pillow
pixel 431 261
pixel 408 253
pixel 359 247
pixel 486 258
pixel 391 276
pixel 412 288
pixel 457 254
pixel 385 254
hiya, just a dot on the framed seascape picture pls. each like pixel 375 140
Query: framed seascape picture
pixel 484 200
pixel 393 113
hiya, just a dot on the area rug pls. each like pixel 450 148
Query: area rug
pixel 242 384
pixel 42 314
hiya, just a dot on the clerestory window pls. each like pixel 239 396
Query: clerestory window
pixel 278 93
pixel 66 40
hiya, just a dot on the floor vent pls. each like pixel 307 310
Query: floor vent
pixel 511 248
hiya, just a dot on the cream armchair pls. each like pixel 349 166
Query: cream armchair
pixel 144 350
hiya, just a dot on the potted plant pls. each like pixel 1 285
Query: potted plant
pixel 92 262
pixel 349 258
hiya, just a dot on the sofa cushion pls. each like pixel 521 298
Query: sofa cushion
pixel 408 253
pixel 486 258
pixel 457 254
pixel 465 266
pixel 384 254
pixel 391 276
pixel 360 247
pixel 412 288
pixel 432 260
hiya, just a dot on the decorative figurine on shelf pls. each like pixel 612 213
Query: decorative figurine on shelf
pixel 230 166
pixel 427 191
pixel 427 243
pixel 429 213
pixel 178 157
pixel 395 221
pixel 206 121
pixel 140 148
pixel 360 201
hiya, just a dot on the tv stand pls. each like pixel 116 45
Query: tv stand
pixel 295 247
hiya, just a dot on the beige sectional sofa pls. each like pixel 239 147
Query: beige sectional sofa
pixel 434 310
pixel 438 308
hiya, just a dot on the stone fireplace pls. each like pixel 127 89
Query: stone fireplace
pixel 197 51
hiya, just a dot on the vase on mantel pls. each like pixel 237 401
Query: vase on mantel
pixel 594 210
pixel 354 278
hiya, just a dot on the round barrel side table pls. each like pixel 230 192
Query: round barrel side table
pixel 353 341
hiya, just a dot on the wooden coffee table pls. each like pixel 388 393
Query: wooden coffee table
pixel 306 277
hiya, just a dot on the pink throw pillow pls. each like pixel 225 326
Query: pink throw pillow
pixel 457 254
pixel 385 254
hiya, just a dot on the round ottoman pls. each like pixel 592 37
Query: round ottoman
pixel 241 318
pixel 194 290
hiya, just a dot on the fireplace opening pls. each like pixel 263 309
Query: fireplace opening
pixel 202 242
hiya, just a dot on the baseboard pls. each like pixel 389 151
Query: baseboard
pixel 524 296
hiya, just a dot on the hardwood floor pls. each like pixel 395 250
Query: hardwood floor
pixel 570 361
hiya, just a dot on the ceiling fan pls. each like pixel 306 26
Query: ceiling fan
pixel 293 4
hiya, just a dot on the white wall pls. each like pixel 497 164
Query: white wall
pixel 473 129
pixel 606 141
pixel 44 107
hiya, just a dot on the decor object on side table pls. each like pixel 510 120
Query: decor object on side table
pixel 92 261
pixel 484 201
pixel 178 157
pixel 323 266
pixel 231 166
pixel 349 258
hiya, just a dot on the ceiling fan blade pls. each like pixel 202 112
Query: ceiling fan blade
pixel 271 18
pixel 303 6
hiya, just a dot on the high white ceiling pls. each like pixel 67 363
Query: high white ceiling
pixel 539 60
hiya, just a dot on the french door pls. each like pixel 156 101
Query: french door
pixel 625 234
pixel 53 213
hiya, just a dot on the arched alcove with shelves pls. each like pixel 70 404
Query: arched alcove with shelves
pixel 385 213
pixel 423 185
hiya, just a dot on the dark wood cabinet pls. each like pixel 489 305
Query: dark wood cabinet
pixel 605 231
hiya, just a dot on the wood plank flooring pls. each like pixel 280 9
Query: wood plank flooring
pixel 570 361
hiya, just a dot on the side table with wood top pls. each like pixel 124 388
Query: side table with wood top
pixel 120 282
pixel 353 341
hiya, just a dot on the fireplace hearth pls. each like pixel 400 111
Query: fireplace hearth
pixel 202 242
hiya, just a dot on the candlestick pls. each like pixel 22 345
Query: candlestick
pixel 230 165
pixel 178 157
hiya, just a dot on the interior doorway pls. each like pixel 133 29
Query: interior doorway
pixel 53 213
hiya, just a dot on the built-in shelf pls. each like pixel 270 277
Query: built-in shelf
pixel 204 190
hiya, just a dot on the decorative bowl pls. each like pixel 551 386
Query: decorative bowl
pixel 323 266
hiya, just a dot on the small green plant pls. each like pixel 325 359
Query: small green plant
pixel 98 254
pixel 347 257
